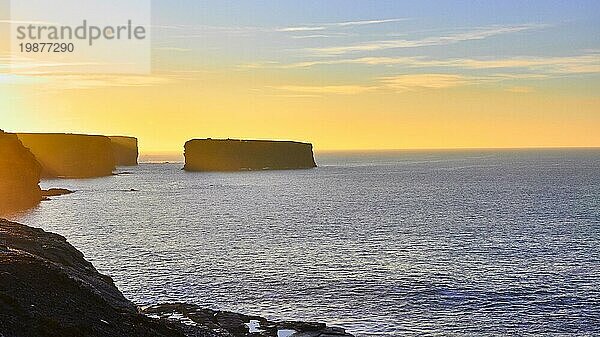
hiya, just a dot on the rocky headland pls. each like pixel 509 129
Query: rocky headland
pixel 125 150
pixel 71 155
pixel 240 155
pixel 19 175
pixel 47 288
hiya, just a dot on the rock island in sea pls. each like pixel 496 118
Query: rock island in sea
pixel 247 155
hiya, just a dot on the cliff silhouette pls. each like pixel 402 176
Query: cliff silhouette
pixel 125 150
pixel 239 155
pixel 71 155
pixel 19 175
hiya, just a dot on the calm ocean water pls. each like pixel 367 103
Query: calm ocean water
pixel 383 244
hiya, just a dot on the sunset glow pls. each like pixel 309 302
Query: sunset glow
pixel 369 75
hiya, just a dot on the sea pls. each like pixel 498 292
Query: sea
pixel 437 242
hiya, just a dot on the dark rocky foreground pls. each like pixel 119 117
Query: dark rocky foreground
pixel 234 324
pixel 47 288
pixel 19 175
pixel 239 155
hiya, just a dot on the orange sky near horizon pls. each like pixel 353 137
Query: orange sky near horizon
pixel 163 118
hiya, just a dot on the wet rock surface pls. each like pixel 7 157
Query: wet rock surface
pixel 239 325
pixel 47 288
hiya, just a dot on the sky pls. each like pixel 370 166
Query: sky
pixel 343 75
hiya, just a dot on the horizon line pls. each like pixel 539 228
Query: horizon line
pixel 419 149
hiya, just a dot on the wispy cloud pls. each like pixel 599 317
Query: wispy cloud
pixel 58 82
pixel 476 34
pixel 15 22
pixel 23 66
pixel 589 63
pixel 576 64
pixel 409 82
pixel 367 22
pixel 324 26
pixel 327 89
pixel 300 29
pixel 12 79
pixel 520 90
pixel 87 81
pixel 17 70
pixel 312 36
pixel 397 83
pixel 174 49
pixel 201 30
pixel 362 60
pixel 424 81
pixel 292 95
pixel 58 76
pixel 257 65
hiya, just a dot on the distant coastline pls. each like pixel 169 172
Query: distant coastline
pixel 160 157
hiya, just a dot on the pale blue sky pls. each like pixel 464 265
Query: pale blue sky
pixel 556 38
pixel 571 25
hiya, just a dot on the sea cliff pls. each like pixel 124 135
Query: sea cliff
pixel 47 288
pixel 19 175
pixel 238 155
pixel 70 155
pixel 125 150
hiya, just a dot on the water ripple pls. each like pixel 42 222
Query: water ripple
pixel 456 243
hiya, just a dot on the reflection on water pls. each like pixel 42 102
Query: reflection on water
pixel 460 242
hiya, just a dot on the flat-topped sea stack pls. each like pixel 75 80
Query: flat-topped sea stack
pixel 247 155
pixel 125 150
pixel 70 155
pixel 19 175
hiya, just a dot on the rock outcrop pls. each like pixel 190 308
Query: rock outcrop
pixel 239 155
pixel 55 192
pixel 70 155
pixel 19 175
pixel 239 325
pixel 125 150
pixel 47 288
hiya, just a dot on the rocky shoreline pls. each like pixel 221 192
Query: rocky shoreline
pixel 47 288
